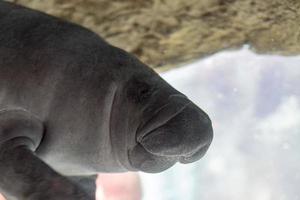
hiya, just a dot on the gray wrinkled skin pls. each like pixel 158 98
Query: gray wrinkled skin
pixel 73 105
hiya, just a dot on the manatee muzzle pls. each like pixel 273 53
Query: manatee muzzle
pixel 177 131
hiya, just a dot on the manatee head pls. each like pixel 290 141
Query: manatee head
pixel 152 125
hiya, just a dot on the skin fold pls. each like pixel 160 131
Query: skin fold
pixel 71 105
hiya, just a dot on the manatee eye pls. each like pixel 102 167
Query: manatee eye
pixel 139 91
pixel 144 93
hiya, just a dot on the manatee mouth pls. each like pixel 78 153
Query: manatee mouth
pixel 163 115
pixel 179 131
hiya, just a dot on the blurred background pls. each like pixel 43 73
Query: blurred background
pixel 167 33
pixel 238 61
pixel 254 103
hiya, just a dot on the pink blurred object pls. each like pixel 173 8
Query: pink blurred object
pixel 119 186
pixel 2 198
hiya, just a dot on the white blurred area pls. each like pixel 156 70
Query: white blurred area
pixel 254 103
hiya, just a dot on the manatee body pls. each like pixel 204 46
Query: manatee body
pixel 83 106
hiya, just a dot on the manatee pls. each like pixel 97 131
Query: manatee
pixel 73 105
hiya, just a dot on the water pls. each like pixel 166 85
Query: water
pixel 254 103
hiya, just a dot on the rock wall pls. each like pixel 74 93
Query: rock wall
pixel 169 32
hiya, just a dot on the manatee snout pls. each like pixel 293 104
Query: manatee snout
pixel 184 135
pixel 179 131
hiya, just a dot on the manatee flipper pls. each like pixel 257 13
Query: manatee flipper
pixel 87 183
pixel 22 174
